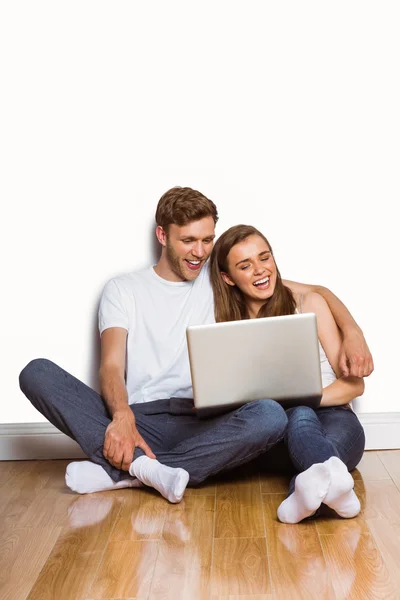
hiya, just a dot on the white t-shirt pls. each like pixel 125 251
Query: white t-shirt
pixel 156 313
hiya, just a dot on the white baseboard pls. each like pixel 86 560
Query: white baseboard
pixel 28 441
pixel 382 430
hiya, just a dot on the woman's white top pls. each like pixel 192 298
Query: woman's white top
pixel 328 374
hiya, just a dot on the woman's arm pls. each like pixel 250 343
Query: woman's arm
pixel 344 389
pixel 354 357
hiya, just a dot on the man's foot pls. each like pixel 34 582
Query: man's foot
pixel 311 487
pixel 85 477
pixel 171 483
pixel 341 497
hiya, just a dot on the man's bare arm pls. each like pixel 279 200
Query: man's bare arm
pixel 121 435
pixel 355 356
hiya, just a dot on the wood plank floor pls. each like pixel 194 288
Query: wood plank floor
pixel 222 542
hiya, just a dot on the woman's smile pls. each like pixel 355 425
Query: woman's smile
pixel 262 284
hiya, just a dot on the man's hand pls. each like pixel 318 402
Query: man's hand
pixel 120 441
pixel 355 359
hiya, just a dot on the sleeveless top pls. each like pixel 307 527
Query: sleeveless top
pixel 328 374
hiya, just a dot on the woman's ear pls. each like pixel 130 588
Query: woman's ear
pixel 227 279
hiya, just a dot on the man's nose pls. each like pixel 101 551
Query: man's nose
pixel 198 250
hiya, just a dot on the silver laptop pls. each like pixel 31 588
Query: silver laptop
pixel 239 361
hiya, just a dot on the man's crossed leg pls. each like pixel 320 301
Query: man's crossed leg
pixel 187 449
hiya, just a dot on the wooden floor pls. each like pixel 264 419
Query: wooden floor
pixel 222 542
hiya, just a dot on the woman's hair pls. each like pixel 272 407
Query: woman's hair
pixel 182 205
pixel 229 301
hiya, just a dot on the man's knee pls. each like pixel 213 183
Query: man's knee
pixel 34 373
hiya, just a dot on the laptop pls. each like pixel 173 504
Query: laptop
pixel 235 362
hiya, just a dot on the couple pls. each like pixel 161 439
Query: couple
pixel 142 429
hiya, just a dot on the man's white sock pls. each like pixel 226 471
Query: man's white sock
pixel 85 477
pixel 171 483
pixel 311 487
pixel 341 497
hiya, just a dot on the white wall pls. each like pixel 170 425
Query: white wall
pixel 286 114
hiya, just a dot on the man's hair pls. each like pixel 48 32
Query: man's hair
pixel 182 205
pixel 229 301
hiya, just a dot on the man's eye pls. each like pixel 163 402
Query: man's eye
pixel 245 267
pixel 266 257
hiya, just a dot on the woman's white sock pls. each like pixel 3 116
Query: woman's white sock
pixel 341 497
pixel 170 482
pixel 85 477
pixel 311 487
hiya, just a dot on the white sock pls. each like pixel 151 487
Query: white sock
pixel 171 483
pixel 311 487
pixel 85 477
pixel 341 497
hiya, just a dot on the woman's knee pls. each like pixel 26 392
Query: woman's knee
pixel 267 419
pixel 300 416
pixel 300 412
pixel 301 419
pixel 346 433
pixel 355 453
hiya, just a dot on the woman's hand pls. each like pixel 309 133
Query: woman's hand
pixel 355 358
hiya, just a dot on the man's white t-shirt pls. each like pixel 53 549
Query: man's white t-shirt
pixel 156 313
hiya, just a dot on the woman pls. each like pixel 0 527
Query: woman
pixel 323 444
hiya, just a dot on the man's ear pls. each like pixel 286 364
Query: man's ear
pixel 161 235
pixel 227 279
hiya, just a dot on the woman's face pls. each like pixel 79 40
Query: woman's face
pixel 252 268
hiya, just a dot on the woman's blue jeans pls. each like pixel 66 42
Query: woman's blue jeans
pixel 313 436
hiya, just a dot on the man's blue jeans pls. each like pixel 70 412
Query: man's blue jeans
pixel 170 426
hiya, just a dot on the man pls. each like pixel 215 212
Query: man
pixel 142 429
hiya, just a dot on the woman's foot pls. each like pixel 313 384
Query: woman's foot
pixel 341 496
pixel 311 487
pixel 170 482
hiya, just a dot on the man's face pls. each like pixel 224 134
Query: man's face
pixel 188 247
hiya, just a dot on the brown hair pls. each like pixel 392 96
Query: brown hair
pixel 182 205
pixel 228 300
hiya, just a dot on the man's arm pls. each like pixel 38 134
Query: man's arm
pixel 344 389
pixel 355 357
pixel 121 435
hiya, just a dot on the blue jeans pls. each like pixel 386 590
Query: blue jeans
pixel 313 436
pixel 170 426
